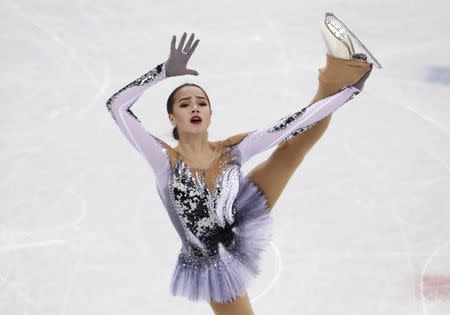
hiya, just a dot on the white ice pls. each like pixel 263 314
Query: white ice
pixel 363 226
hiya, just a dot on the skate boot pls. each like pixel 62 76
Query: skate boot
pixel 342 43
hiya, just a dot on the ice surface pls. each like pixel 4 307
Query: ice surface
pixel 363 226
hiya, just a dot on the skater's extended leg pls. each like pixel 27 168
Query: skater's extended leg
pixel 272 175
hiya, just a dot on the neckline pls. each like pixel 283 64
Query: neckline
pixel 184 160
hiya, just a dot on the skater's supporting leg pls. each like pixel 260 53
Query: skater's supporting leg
pixel 272 175
pixel 241 306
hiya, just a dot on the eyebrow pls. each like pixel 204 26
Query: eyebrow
pixel 186 98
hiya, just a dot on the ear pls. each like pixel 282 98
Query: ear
pixel 172 120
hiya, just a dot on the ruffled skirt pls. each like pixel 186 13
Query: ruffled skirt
pixel 225 276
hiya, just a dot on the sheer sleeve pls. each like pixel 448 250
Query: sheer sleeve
pixel 119 104
pixel 263 139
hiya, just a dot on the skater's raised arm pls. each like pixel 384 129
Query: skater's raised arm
pixel 263 139
pixel 119 104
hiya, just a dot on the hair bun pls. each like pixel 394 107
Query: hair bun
pixel 175 133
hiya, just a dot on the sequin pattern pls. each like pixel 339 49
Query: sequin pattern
pixel 144 79
pixel 299 131
pixel 286 121
pixel 208 217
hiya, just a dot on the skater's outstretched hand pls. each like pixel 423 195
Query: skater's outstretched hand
pixel 177 61
pixel 360 83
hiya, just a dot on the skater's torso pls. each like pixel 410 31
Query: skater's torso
pixel 207 166
pixel 203 198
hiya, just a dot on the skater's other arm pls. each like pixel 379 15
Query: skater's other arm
pixel 307 139
pixel 291 125
pixel 119 105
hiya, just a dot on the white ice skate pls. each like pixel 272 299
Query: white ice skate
pixel 341 42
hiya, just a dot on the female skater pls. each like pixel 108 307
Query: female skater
pixel 222 216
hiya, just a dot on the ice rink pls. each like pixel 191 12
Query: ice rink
pixel 363 226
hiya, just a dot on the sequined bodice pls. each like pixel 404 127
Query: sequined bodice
pixel 206 209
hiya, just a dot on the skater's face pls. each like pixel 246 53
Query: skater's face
pixel 190 101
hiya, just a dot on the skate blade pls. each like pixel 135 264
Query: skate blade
pixel 334 21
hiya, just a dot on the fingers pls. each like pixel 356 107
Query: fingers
pixel 189 53
pixel 360 84
pixel 188 49
pixel 188 45
pixel 172 44
pixel 191 71
pixel 180 45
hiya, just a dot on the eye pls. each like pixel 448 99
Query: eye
pixel 184 105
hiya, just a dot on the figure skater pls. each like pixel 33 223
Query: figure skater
pixel 222 216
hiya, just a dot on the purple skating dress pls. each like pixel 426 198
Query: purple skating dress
pixel 221 217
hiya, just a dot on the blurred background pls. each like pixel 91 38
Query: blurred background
pixel 361 228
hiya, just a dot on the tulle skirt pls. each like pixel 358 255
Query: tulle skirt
pixel 225 276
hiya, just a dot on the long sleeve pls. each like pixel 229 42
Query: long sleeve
pixel 119 105
pixel 263 139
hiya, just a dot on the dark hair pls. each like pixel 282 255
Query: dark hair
pixel 171 101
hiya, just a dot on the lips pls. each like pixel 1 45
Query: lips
pixel 196 121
